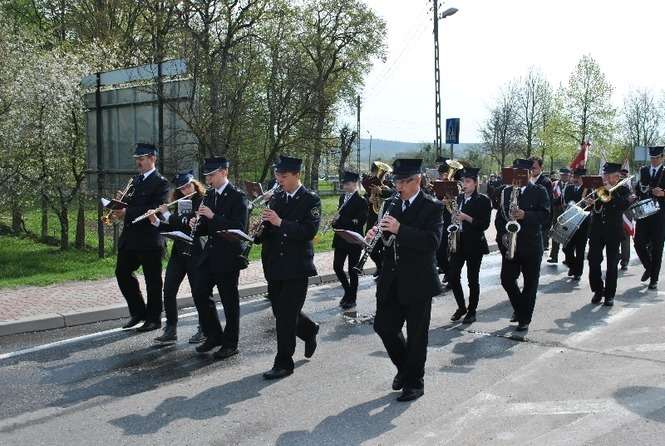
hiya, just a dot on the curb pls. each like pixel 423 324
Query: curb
pixel 99 314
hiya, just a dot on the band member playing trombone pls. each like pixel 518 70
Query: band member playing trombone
pixel 650 231
pixel 471 222
pixel 351 215
pixel 287 254
pixel 184 257
pixel 525 208
pixel 413 225
pixel 606 233
pixel 140 244
pixel 224 207
pixel 575 248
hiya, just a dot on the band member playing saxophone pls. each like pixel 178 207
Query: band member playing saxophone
pixel 473 219
pixel 650 231
pixel 574 250
pixel 606 233
pixel 412 231
pixel 351 215
pixel 140 244
pixel 526 207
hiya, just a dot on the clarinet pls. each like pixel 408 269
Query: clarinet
pixel 188 251
pixel 369 246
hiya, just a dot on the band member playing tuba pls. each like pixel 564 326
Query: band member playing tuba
pixel 605 234
pixel 287 254
pixel 140 244
pixel 184 258
pixel 527 205
pixel 409 278
pixel 224 207
pixel 474 211
pixel 351 214
pixel 574 250
pixel 650 231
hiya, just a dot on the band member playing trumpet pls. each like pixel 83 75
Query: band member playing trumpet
pixel 140 244
pixel 351 214
pixel 526 207
pixel 287 254
pixel 409 278
pixel 224 207
pixel 473 219
pixel 650 231
pixel 605 235
pixel 574 250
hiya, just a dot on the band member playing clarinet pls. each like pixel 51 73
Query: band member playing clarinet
pixel 184 258
pixel 472 220
pixel 140 244
pixel 575 248
pixel 442 259
pixel 288 261
pixel 412 232
pixel 529 206
pixel 650 231
pixel 351 214
pixel 605 235
pixel 224 207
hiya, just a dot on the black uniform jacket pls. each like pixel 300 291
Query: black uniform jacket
pixel 148 194
pixel 230 209
pixel 288 251
pixel 657 181
pixel 472 238
pixel 180 222
pixel 352 216
pixel 535 202
pixel 607 218
pixel 411 260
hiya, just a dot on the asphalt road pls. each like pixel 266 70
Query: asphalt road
pixel 584 374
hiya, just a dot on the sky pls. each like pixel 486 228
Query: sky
pixel 490 42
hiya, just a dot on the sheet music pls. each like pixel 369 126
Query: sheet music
pixel 178 235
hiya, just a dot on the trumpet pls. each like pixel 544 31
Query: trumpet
pixel 154 211
pixel 107 217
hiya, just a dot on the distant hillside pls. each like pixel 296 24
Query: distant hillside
pixel 387 150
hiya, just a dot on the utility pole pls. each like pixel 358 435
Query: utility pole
pixel 437 80
pixel 358 134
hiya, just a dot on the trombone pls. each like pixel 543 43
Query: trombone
pixel 154 211
pixel 107 216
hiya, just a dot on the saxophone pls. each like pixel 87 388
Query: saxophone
pixel 453 227
pixel 509 239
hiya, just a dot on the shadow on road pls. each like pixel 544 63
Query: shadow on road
pixel 647 402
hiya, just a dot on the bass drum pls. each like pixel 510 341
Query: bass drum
pixel 567 224
pixel 643 209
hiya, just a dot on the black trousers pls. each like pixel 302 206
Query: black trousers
pixel 151 262
pixel 377 254
pixel 574 251
pixel 523 301
pixel 178 267
pixel 349 284
pixel 597 244
pixel 624 250
pixel 554 252
pixel 408 355
pixel 287 298
pixel 227 286
pixel 649 238
pixel 442 260
pixel 472 274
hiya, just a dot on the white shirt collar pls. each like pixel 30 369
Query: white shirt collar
pixel 292 194
pixel 523 187
pixel 148 173
pixel 222 187
pixel 533 180
pixel 412 199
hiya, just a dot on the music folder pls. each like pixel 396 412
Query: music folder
pixel 113 204
pixel 592 181
pixel 235 234
pixel 178 235
pixel 351 237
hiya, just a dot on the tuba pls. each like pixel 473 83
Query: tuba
pixel 371 183
pixel 453 167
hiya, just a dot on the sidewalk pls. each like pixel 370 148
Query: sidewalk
pixel 28 309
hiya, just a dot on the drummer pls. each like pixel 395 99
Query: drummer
pixel 575 248
pixel 624 247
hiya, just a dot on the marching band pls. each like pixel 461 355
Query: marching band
pixel 413 227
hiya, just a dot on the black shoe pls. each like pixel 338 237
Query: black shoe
pixel 277 373
pixel 550 260
pixel 445 279
pixel 398 381
pixel 653 285
pixel 226 352
pixel 522 327
pixel 135 320
pixel 169 335
pixel 348 304
pixel 208 345
pixel 470 318
pixel 410 394
pixel 149 326
pixel 197 337
pixel 343 300
pixel 376 274
pixel 513 318
pixel 310 344
pixel 577 278
pixel 570 274
pixel 597 297
pixel 645 276
pixel 609 302
pixel 566 263
pixel 624 267
pixel 457 315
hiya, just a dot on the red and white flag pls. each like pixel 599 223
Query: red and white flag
pixel 628 224
pixel 581 158
pixel 556 189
